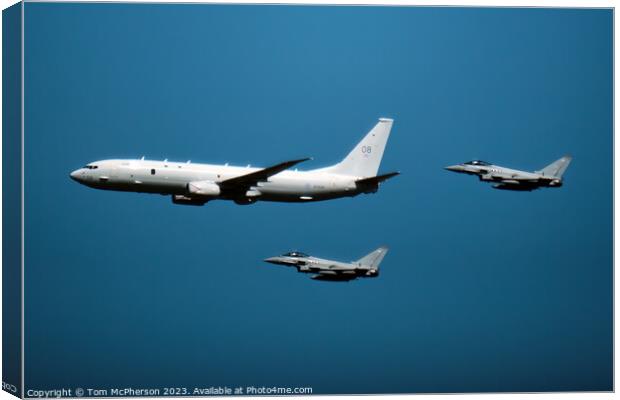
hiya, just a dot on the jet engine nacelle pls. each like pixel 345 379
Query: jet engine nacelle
pixel 204 188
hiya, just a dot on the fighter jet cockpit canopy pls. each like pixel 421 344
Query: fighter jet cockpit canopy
pixel 295 254
pixel 477 162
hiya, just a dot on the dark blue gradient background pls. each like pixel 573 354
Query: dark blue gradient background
pixel 483 290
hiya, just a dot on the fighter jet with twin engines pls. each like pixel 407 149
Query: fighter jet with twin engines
pixel 196 184
pixel 329 270
pixel 513 179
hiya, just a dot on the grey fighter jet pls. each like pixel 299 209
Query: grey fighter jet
pixel 513 179
pixel 329 270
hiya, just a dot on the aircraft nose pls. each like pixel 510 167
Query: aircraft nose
pixel 75 175
pixel 277 261
pixel 455 168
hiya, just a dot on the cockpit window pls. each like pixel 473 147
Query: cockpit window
pixel 295 254
pixel 477 162
pixel 91 167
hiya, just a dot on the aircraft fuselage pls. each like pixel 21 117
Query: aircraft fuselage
pixel 173 178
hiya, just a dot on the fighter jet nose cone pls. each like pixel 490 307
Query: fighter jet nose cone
pixel 453 168
pixel 277 261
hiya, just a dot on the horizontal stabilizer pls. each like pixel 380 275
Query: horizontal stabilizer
pixel 245 181
pixel 377 179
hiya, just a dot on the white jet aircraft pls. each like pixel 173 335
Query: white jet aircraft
pixel 196 184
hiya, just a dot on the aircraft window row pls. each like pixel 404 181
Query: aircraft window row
pixel 295 254
pixel 477 162
pixel 91 167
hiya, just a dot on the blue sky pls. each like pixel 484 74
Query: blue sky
pixel 482 290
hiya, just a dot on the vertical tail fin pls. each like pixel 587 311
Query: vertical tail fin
pixel 556 168
pixel 373 259
pixel 365 158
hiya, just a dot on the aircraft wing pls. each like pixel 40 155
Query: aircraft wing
pixel 327 275
pixel 518 184
pixel 511 179
pixel 244 182
pixel 332 269
pixel 521 181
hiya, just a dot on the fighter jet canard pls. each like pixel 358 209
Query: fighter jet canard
pixel 513 179
pixel 330 270
pixel 196 184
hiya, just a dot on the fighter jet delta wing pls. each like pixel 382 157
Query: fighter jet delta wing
pixel 326 275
